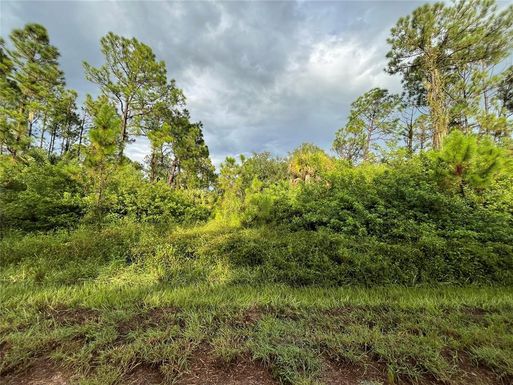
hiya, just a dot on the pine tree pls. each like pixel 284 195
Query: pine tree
pixel 36 73
pixel 10 130
pixel 134 80
pixel 32 88
pixel 467 162
pixel 436 41
pixel 101 152
pixel 178 151
pixel 373 120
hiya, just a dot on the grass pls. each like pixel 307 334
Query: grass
pixel 74 309
pixel 100 330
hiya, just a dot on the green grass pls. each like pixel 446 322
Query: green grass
pixel 74 302
pixel 101 329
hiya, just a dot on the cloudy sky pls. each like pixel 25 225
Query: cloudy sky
pixel 261 76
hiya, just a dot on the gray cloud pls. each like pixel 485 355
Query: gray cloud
pixel 261 76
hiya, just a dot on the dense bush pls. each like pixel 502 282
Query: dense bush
pixel 66 256
pixel 40 194
pixel 129 195
pixel 49 193
pixel 394 204
pixel 326 258
pixel 322 222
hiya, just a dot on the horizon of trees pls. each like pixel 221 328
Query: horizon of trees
pixel 454 119
pixel 446 55
pixel 37 110
pixel 451 59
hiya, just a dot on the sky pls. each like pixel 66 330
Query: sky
pixel 260 76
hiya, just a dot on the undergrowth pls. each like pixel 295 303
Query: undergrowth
pixel 104 302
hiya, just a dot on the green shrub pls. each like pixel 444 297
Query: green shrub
pixel 399 204
pixel 66 256
pixel 326 258
pixel 40 195
pixel 46 194
pixel 131 196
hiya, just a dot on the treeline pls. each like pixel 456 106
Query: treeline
pixel 452 63
pixel 421 189
pixel 136 99
pixel 61 163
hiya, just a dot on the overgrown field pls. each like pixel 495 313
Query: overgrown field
pixel 386 260
pixel 140 305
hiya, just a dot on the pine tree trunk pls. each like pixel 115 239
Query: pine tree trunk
pixel 80 135
pixel 153 166
pixel 436 103
pixel 410 133
pixel 14 151
pixel 52 141
pixel 172 171
pixel 30 127
pixel 124 131
pixel 410 139
pixel 43 130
